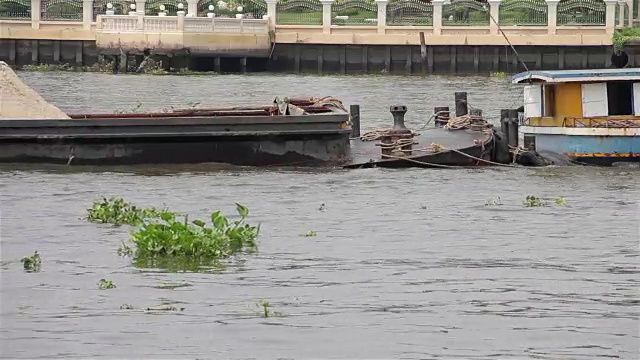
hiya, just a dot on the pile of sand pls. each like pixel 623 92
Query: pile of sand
pixel 19 101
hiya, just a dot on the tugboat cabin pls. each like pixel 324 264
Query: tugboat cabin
pixel 575 98
pixel 587 116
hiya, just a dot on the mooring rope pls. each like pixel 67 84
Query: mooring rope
pixel 421 162
pixel 463 122
pixel 376 134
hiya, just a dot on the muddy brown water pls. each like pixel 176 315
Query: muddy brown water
pixel 406 263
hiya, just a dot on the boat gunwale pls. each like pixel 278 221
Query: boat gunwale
pixel 332 117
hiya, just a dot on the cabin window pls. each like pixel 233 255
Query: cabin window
pixel 620 97
pixel 549 101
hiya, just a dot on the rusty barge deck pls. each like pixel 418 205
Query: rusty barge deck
pixel 291 131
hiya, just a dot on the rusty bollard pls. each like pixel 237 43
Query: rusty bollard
pixel 398 141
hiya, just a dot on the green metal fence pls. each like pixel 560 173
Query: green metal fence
pixel 625 14
pixel 252 9
pixel 523 12
pixel 61 10
pixel 466 12
pixel 409 13
pixel 120 7
pixel 581 12
pixel 354 12
pixel 15 9
pixel 299 12
pixel 152 7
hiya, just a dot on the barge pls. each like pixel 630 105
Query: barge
pixel 463 140
pixel 581 116
pixel 289 131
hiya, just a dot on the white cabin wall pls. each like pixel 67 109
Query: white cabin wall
pixel 532 101
pixel 636 99
pixel 594 100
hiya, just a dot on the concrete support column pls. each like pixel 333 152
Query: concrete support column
pixel 630 14
pixel 437 16
pixel 326 15
pixel 141 6
pixel 494 10
pixel 382 15
pixel 610 22
pixel 621 5
pixel 87 13
pixel 552 16
pixel 35 14
pixel 192 8
pixel 272 13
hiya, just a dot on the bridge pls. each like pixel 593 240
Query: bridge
pixel 250 28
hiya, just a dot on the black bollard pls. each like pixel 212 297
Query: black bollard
pixel 441 114
pixel 513 127
pixel 397 142
pixel 461 104
pixel 354 111
pixel 398 112
pixel 476 120
pixel 504 123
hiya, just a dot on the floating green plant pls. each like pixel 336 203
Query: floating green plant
pixel 561 201
pixel 124 249
pixel 493 202
pixel 32 263
pixel 117 211
pixel 265 309
pixel 310 233
pixel 498 74
pixel 172 236
pixel 167 240
pixel 534 201
pixel 104 284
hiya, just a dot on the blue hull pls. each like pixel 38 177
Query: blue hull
pixel 588 149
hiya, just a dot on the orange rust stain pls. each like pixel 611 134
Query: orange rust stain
pixel 625 155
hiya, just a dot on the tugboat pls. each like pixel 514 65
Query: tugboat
pixel 589 117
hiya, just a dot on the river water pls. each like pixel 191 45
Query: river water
pixel 406 263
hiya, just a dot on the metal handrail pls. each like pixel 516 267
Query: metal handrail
pixel 630 121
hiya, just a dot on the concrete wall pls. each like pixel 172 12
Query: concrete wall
pixel 32 52
pixel 310 58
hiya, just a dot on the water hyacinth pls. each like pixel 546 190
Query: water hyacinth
pixel 118 212
pixel 170 235
pixel 165 239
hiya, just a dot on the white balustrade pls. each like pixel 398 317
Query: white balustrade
pixel 120 23
pixel 161 23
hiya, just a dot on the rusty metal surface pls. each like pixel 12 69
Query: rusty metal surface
pixel 367 151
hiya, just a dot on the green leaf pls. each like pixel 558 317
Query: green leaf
pixel 166 216
pixel 242 210
pixel 214 216
pixel 199 223
pixel 220 223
